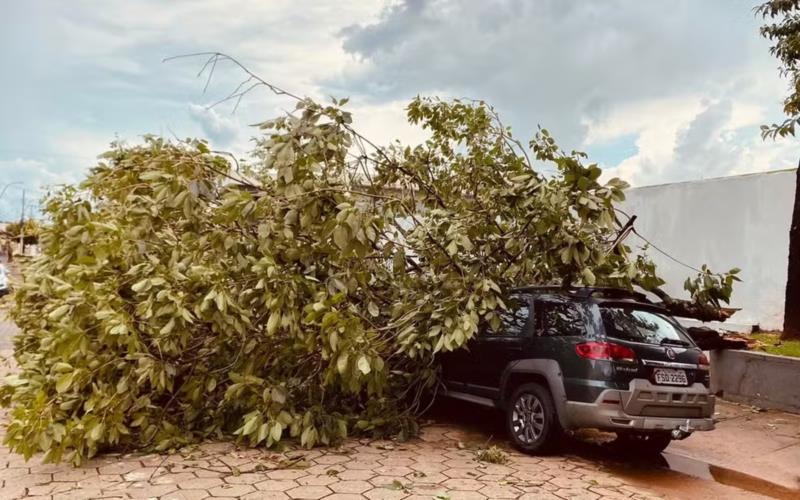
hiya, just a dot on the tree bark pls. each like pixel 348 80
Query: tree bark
pixel 791 314
pixel 689 309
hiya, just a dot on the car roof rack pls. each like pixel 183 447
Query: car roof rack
pixel 605 292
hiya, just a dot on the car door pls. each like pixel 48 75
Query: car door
pixel 560 326
pixel 492 350
pixel 455 366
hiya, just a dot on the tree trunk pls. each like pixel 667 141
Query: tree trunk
pixel 791 314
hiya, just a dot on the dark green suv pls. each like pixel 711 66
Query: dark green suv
pixel 568 358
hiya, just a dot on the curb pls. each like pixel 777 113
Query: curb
pixel 729 477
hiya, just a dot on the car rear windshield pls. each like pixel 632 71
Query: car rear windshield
pixel 639 325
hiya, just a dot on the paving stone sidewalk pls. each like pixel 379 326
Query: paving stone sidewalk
pixel 432 467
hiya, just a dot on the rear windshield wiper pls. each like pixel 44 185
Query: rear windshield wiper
pixel 679 342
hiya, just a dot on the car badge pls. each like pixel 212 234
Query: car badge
pixel 670 353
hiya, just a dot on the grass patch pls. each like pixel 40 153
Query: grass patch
pixel 770 342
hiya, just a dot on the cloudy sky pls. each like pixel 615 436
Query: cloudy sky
pixel 655 91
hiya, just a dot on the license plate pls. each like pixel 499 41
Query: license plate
pixel 664 376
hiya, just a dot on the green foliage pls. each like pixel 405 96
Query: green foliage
pixel 710 288
pixel 172 303
pixel 784 32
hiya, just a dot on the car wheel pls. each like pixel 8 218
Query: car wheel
pixel 643 443
pixel 532 420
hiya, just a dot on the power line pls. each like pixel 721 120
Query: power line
pixel 665 253
pixel 629 219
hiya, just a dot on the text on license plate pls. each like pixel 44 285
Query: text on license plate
pixel 670 377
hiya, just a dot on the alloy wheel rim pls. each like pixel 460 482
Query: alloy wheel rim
pixel 527 418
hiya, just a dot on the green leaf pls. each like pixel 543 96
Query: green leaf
pixel 278 395
pixel 334 340
pixel 58 431
pixel 64 381
pixel 341 363
pixel 58 312
pixel 250 424
pixel 166 329
pixel 97 432
pixel 373 309
pixel 277 430
pixel 273 323
pixel 141 286
pixel 263 432
pixel 61 367
pixel 341 236
pixel 363 364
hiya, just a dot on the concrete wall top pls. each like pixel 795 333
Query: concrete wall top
pixel 740 221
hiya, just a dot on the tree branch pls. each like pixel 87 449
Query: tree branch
pixel 689 309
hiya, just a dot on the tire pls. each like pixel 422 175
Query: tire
pixel 643 443
pixel 532 421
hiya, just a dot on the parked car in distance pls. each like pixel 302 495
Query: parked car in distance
pixel 4 284
pixel 570 358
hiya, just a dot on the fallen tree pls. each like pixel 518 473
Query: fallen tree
pixel 304 296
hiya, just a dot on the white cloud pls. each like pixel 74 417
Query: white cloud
pixel 82 148
pixel 699 139
pixel 220 130
pixel 592 72
pixel 80 75
pixel 688 94
pixel 385 122
pixel 637 117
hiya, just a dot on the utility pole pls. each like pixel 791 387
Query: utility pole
pixel 22 226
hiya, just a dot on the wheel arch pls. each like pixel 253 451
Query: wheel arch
pixel 543 371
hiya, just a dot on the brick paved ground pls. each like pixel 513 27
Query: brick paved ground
pixel 432 467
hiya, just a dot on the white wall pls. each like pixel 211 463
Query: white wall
pixel 741 221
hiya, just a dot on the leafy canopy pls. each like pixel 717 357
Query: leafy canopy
pixel 784 32
pixel 176 299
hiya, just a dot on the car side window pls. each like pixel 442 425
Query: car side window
pixel 514 319
pixel 560 319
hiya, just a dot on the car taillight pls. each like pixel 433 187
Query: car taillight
pixel 607 351
pixel 703 360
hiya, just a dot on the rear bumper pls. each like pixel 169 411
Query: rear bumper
pixel 607 417
pixel 645 407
